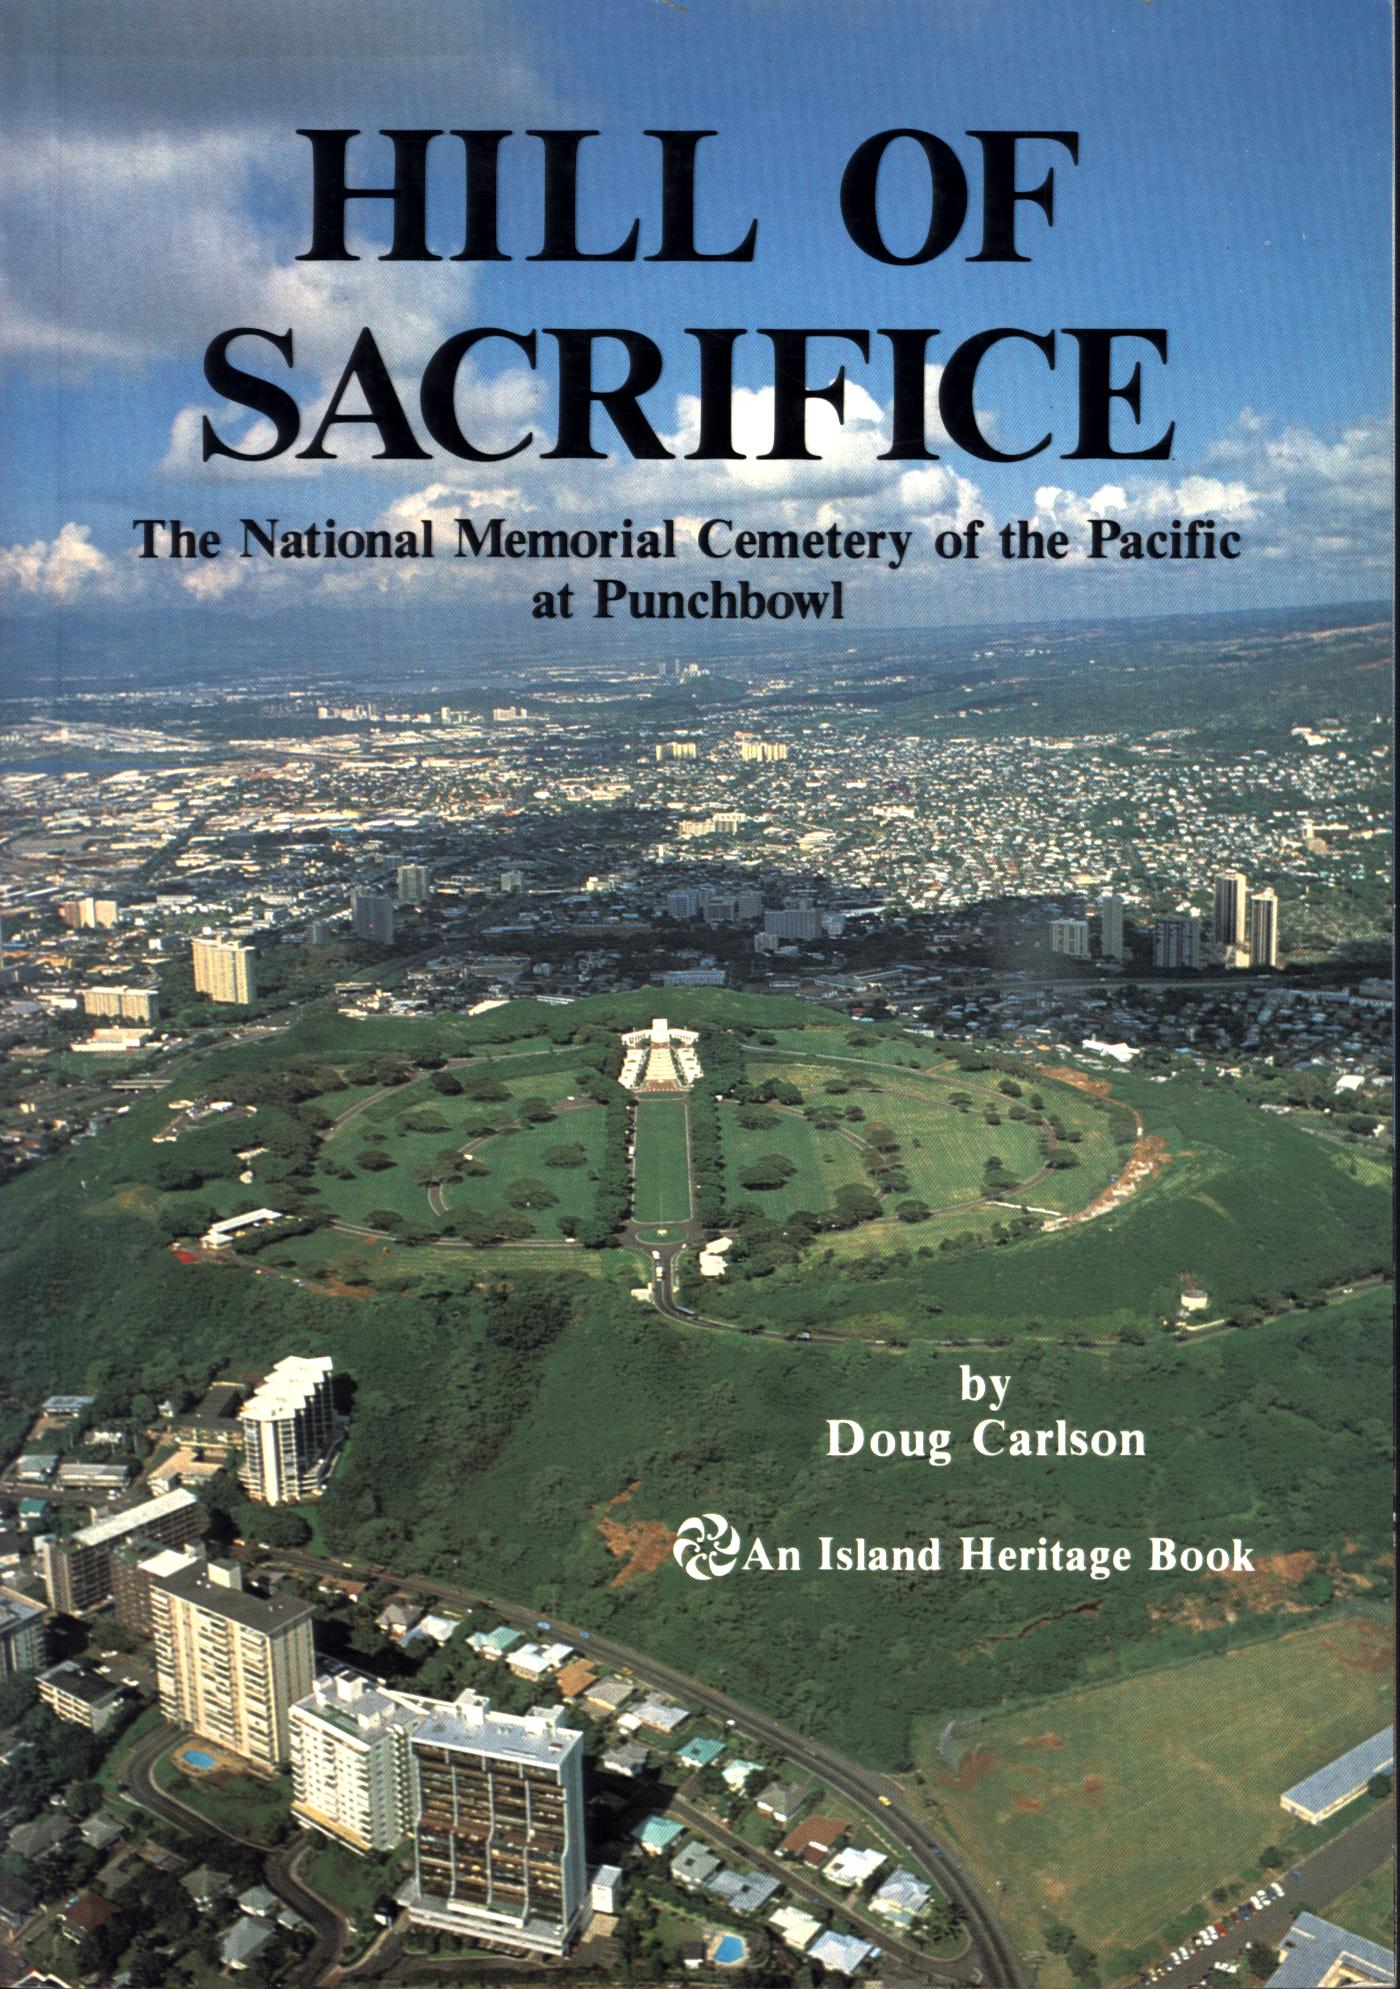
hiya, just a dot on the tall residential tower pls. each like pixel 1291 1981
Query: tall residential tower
pixel 289 1432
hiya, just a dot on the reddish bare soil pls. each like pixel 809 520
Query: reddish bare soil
pixel 642 1545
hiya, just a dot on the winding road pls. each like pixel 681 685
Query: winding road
pixel 328 1927
pixel 990 1960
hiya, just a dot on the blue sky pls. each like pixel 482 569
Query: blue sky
pixel 1233 187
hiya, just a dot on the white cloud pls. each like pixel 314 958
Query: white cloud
pixel 58 568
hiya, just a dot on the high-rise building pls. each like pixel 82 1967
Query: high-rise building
pixel 498 1845
pixel 1231 891
pixel 793 922
pixel 1070 937
pixel 1111 926
pixel 351 1773
pixel 289 1432
pixel 225 970
pixel 21 1633
pixel 135 1565
pixel 676 749
pixel 763 750
pixel 411 883
pixel 372 916
pixel 229 1664
pixel 682 904
pixel 130 1004
pixel 77 1568
pixel 1263 928
pixel 100 914
pixel 1176 941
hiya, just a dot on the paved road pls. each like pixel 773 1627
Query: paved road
pixel 1325 1875
pixel 279 1865
pixel 991 1960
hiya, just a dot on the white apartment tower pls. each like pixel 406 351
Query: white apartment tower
pixel 229 1664
pixel 225 971
pixel 289 1432
pixel 498 1845
pixel 1070 937
pixel 411 881
pixel 351 1773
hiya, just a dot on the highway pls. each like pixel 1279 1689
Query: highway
pixel 990 1958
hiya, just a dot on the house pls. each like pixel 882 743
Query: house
pixel 814 1839
pixel 656 1834
pixel 17 1902
pixel 796 1929
pixel 782 1800
pixel 495 1643
pixel 700 1753
pixel 737 1774
pixel 854 1866
pixel 575 1677
pixel 398 1617
pixel 694 1865
pixel 205 1886
pixel 244 1940
pixel 902 1899
pixel 660 1714
pixel 101 1829
pixel 628 1759
pixel 536 1661
pixel 743 1892
pixel 610 1695
pixel 31 1840
pixel 260 1902
pixel 85 1913
pixel 843 1952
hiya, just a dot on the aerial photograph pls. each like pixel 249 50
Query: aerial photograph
pixel 696 992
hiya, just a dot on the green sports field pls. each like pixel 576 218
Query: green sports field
pixel 1117 1810
pixel 661 1170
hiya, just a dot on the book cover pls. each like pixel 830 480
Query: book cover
pixel 695 1132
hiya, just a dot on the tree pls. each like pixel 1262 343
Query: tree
pixel 1379 1787
pixel 769 1170
pixel 1261 1960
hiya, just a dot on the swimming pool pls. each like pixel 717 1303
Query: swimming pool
pixel 195 1757
pixel 730 1951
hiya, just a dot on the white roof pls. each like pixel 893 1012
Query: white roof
pixel 113 1525
pixel 290 1384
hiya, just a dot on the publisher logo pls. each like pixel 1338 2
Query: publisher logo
pixel 707 1547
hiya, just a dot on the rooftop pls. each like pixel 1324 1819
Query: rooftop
pixel 254 1612
pixel 1344 1776
pixel 536 1738
pixel 134 1519
pixel 290 1385
pixel 1317 1952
